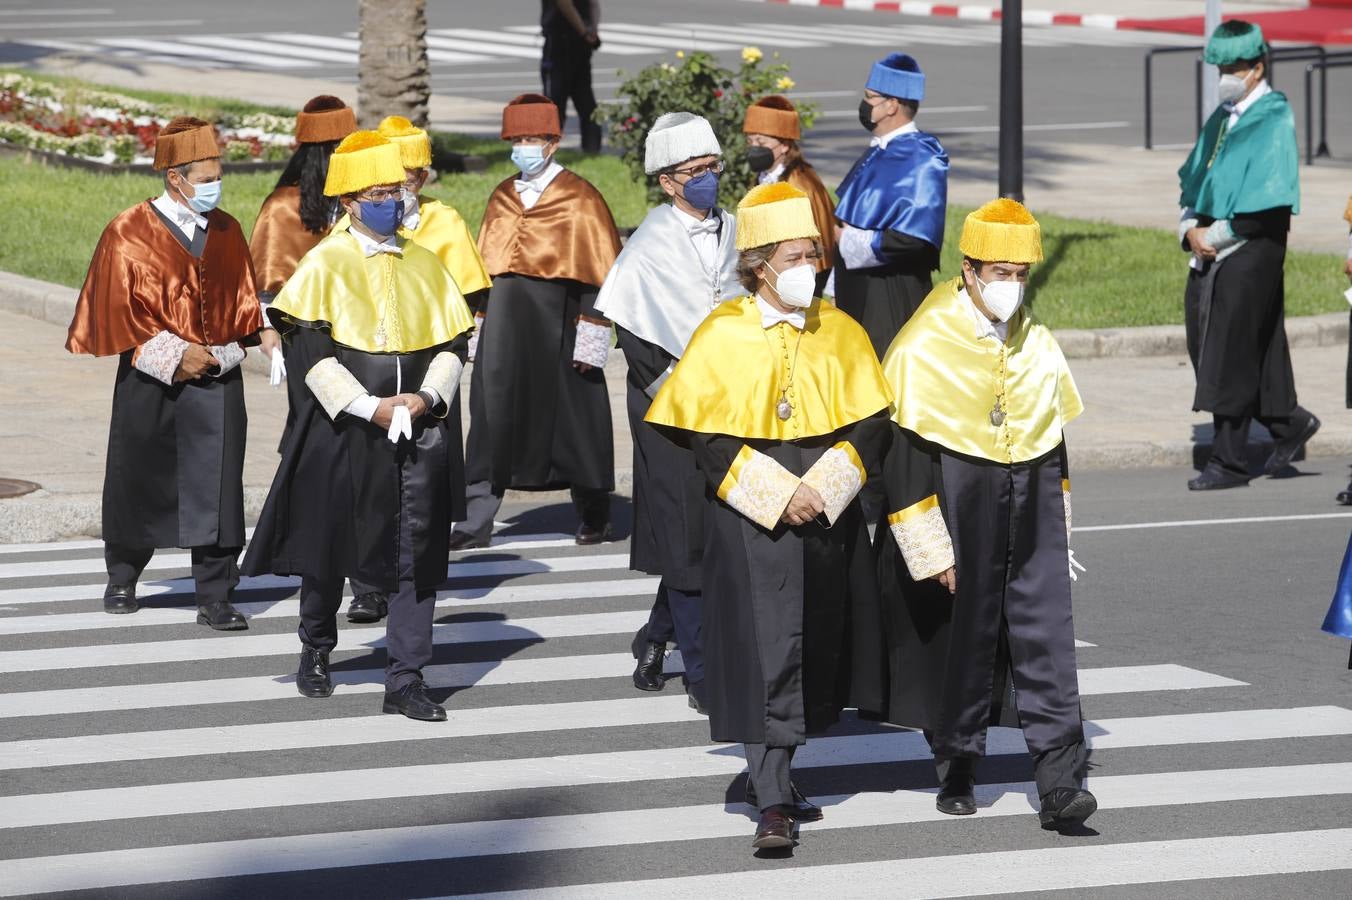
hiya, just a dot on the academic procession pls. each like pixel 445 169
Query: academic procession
pixel 851 492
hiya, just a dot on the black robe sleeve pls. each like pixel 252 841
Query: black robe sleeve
pixel 648 363
pixel 909 252
pixel 911 470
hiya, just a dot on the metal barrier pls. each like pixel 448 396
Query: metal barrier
pixel 1149 84
pixel 1341 60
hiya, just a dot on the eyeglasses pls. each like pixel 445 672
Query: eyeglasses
pixel 696 171
pixel 382 194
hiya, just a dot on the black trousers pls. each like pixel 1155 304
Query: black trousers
pixel 408 629
pixel 1059 767
pixel 565 73
pixel 675 617
pixel 1229 448
pixel 482 504
pixel 215 570
pixel 768 770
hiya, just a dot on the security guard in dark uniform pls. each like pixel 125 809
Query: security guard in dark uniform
pixel 569 28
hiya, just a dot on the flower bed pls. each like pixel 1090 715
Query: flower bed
pixel 98 128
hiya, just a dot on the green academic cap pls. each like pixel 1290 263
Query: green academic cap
pixel 1234 41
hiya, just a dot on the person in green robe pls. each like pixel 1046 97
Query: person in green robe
pixel 1239 191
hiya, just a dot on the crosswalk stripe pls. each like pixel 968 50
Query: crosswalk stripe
pixel 999 872
pixel 354 45
pixel 726 32
pixel 458 569
pixel 342 732
pixel 191 52
pixel 499 49
pixel 201 649
pixel 676 42
pixel 528 541
pixel 1101 734
pixel 283 50
pixel 387 846
pixel 73 701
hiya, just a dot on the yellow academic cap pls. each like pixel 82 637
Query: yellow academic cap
pixel 415 147
pixel 362 160
pixel 770 213
pixel 1002 231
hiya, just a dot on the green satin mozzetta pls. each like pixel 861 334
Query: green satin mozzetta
pixel 1255 167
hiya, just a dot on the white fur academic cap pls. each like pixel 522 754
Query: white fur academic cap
pixel 676 137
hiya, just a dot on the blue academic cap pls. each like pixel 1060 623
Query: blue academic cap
pixel 898 76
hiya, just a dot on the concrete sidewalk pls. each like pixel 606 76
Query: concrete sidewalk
pixel 54 422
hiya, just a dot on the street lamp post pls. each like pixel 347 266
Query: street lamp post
pixel 1011 99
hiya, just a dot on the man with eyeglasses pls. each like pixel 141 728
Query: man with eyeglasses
pixel 679 265
pixel 171 291
pixel 892 206
pixel 375 334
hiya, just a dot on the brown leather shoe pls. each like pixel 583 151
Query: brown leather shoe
pixel 774 831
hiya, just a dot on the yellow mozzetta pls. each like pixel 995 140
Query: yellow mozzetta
pixel 443 231
pixel 948 382
pixel 377 304
pixel 729 379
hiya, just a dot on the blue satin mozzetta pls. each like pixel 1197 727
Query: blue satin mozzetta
pixel 902 187
pixel 1339 619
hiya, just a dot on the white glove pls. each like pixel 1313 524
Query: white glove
pixel 400 424
pixel 1074 565
pixel 474 338
pixel 278 373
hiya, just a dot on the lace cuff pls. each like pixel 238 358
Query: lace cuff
pixel 160 356
pixel 228 355
pixel 1065 496
pixel 333 386
pixel 443 375
pixel 922 536
pixel 1187 221
pixel 837 476
pixel 593 343
pixel 857 248
pixel 758 488
pixel 1220 235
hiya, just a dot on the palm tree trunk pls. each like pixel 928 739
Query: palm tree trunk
pixel 393 71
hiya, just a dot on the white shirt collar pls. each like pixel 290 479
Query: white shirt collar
pixel 707 225
pixel 185 218
pixel 985 328
pixel 773 175
pixel 530 189
pixel 370 246
pixel 1259 90
pixel 770 317
pixel 883 140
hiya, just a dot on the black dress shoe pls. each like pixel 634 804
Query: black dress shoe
pixel 648 672
pixel 371 607
pixel 1214 478
pixel 774 831
pixel 694 697
pixel 802 809
pixel 1285 451
pixel 955 797
pixel 1345 496
pixel 411 700
pixel 312 678
pixel 221 617
pixel 586 536
pixel 1066 807
pixel 120 599
pixel 463 540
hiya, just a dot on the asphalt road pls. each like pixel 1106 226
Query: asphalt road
pixel 1221 718
pixel 1081 85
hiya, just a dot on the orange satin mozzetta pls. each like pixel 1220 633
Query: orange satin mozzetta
pixel 569 233
pixel 142 281
pixel 804 177
pixel 279 239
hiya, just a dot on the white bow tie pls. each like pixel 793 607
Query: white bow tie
pixel 185 216
pixel 522 186
pixel 387 248
pixel 707 226
pixel 770 317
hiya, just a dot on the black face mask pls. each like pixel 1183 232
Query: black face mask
pixel 866 115
pixel 760 159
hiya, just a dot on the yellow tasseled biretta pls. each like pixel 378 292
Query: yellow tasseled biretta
pixel 1002 231
pixel 415 147
pixel 770 213
pixel 364 159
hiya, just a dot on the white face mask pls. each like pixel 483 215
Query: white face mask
pixel 1002 298
pixel 795 286
pixel 1232 88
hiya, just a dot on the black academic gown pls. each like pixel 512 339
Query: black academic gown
pixel 174 475
pixel 791 621
pixel 1002 650
pixel 883 298
pixel 1236 323
pixel 342 487
pixel 668 538
pixel 536 422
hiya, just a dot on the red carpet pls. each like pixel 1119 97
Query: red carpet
pixel 1326 22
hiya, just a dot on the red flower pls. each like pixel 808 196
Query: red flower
pixel 718 93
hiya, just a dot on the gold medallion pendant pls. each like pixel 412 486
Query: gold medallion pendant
pixel 997 415
pixel 784 409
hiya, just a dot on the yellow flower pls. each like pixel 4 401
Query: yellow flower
pixel 785 84
pixel 680 54
pixel 751 55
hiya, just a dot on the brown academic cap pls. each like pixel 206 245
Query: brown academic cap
pixel 775 116
pixel 530 115
pixel 185 140
pixel 324 118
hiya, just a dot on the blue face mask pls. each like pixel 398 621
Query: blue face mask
pixel 530 159
pixel 206 198
pixel 381 216
pixel 702 192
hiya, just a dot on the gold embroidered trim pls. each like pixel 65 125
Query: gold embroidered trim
pixel 837 476
pixel 758 487
pixel 922 536
pixel 443 375
pixel 1065 494
pixel 333 385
